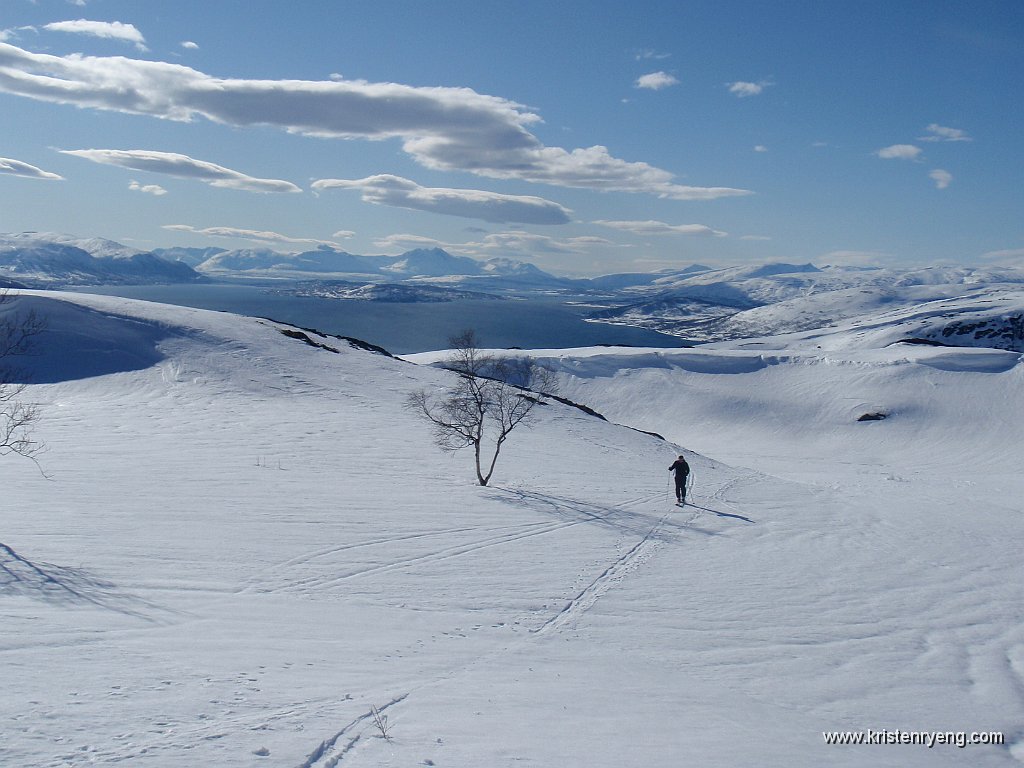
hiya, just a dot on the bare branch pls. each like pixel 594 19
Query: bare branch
pixel 489 397
pixel 17 418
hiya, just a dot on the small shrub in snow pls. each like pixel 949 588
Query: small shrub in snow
pixel 381 721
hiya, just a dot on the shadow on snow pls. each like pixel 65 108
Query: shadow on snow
pixel 64 586
pixel 618 517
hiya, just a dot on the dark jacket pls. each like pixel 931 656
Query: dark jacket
pixel 681 468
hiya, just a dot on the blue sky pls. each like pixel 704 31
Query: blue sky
pixel 585 137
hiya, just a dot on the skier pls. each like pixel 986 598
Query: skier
pixel 682 470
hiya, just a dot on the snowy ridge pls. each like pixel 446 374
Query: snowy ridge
pixel 47 259
pixel 260 545
pixel 768 300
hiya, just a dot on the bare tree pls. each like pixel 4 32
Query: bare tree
pixel 17 418
pixel 491 397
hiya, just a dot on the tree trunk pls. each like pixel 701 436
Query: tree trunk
pixel 479 475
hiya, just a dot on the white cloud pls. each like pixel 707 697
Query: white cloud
pixel 760 148
pixel 182 166
pixel 899 152
pixel 256 235
pixel 661 228
pixel 941 178
pixel 385 189
pixel 402 242
pixel 938 132
pixel 758 238
pixel 507 243
pixel 442 128
pixel 648 53
pixel 343 234
pixel 655 81
pixel 1011 257
pixel 190 45
pixel 853 258
pixel 528 243
pixel 18 168
pixel 149 189
pixel 109 30
pixel 743 89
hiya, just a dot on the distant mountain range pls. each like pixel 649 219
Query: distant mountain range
pixel 697 303
pixel 44 260
pixel 772 299
pixel 47 259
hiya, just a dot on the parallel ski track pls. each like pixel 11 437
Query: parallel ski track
pixel 328 754
pixel 629 561
pixel 516 533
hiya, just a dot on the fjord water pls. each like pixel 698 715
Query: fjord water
pixel 404 328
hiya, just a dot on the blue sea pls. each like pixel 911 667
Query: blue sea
pixel 532 323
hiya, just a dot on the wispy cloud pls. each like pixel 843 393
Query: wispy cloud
pixel 442 128
pixel 182 166
pixel 109 30
pixel 743 89
pixel 899 152
pixel 941 178
pixel 760 148
pixel 756 238
pixel 649 53
pixel 1011 257
pixel 529 243
pixel 938 132
pixel 403 242
pixel 149 189
pixel 854 258
pixel 499 243
pixel 661 228
pixel 189 45
pixel 18 168
pixel 655 81
pixel 385 189
pixel 256 235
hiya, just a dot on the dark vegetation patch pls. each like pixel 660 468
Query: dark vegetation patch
pixel 873 416
pixel 296 332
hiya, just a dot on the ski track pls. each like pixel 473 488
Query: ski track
pixel 629 561
pixel 515 534
pixel 309 557
pixel 328 754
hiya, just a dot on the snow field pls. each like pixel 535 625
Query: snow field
pixel 245 543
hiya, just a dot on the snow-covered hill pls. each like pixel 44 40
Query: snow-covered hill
pixel 781 298
pixel 191 256
pixel 49 259
pixel 421 264
pixel 45 259
pixel 387 292
pixel 246 543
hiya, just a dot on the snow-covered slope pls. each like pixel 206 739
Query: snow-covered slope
pixel 257 261
pixel 388 292
pixel 48 259
pixel 780 298
pixel 245 544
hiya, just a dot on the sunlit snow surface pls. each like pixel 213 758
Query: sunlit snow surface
pixel 244 543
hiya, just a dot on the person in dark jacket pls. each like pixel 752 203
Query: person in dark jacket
pixel 682 470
